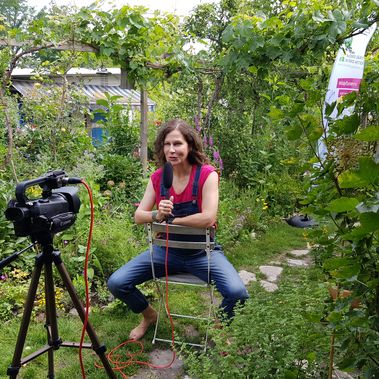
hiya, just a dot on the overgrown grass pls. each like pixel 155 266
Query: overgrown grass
pixel 114 322
pixel 279 239
pixel 112 328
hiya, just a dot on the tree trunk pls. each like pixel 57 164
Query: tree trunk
pixel 125 82
pixel 215 96
pixel 143 131
pixel 199 102
pixel 9 128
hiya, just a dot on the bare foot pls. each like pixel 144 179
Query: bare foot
pixel 139 331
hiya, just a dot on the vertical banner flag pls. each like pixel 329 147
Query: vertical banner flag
pixel 346 75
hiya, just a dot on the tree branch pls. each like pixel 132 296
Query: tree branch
pixel 214 98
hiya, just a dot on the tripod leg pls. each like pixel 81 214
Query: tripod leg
pixel 29 302
pixel 51 317
pixel 99 349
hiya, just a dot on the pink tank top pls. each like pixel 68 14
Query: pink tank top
pixel 186 195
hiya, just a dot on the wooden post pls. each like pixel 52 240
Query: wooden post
pixel 143 131
pixel 125 81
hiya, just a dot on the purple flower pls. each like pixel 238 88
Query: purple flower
pixel 4 277
pixel 221 165
pixel 210 141
pixel 216 155
pixel 205 142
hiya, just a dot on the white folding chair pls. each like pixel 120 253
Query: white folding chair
pixel 155 231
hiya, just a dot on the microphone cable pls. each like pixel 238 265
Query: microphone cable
pixel 111 356
pixel 115 358
pixel 87 301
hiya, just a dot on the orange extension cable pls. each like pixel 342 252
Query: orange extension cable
pixel 114 357
pixel 88 303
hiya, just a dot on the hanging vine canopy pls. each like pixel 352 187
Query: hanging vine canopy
pixel 133 40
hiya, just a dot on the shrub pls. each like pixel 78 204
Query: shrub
pixel 117 240
pixel 241 212
pixel 126 174
pixel 13 291
pixel 270 337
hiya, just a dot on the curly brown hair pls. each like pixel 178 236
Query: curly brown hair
pixel 196 153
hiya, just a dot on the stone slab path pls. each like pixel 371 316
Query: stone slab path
pixel 160 358
pixel 273 271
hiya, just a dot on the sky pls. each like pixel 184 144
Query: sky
pixel 179 7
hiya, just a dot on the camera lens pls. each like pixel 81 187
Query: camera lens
pixel 16 214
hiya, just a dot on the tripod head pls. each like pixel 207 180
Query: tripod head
pixel 54 212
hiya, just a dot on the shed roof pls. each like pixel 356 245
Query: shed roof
pixel 92 92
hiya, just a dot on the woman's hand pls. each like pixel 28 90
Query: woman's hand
pixel 165 208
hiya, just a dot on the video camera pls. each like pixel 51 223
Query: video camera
pixel 54 212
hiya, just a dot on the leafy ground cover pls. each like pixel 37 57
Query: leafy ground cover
pixel 272 337
pixel 271 328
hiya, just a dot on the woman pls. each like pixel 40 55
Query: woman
pixel 193 201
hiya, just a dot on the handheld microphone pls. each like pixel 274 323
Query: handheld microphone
pixel 167 178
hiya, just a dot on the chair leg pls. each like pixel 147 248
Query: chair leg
pixel 161 295
pixel 211 306
pixel 208 319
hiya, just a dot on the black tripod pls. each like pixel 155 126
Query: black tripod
pixel 54 342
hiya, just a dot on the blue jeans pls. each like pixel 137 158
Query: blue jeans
pixel 122 282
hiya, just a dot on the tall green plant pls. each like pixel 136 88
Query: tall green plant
pixel 54 133
pixel 343 191
pixel 119 151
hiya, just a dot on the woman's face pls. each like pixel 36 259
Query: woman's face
pixel 175 148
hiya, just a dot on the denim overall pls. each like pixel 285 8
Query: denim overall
pixel 186 208
pixel 123 282
pixel 189 207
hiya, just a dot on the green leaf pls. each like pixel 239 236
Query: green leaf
pixel 228 34
pixel 136 21
pixel 90 273
pixel 103 102
pixel 275 113
pixel 348 100
pixel 366 175
pixel 334 263
pixel 329 108
pixel 343 268
pixel 346 125
pixel 297 108
pixel 319 17
pixel 369 134
pixel 311 356
pixel 343 204
pixel 346 363
pixel 334 316
pixel 369 221
pixel 315 133
pixel 265 96
pixel 351 179
pixel 97 264
pixel 347 272
pixel 253 70
pixel 273 52
pixel 108 51
pixel 294 132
